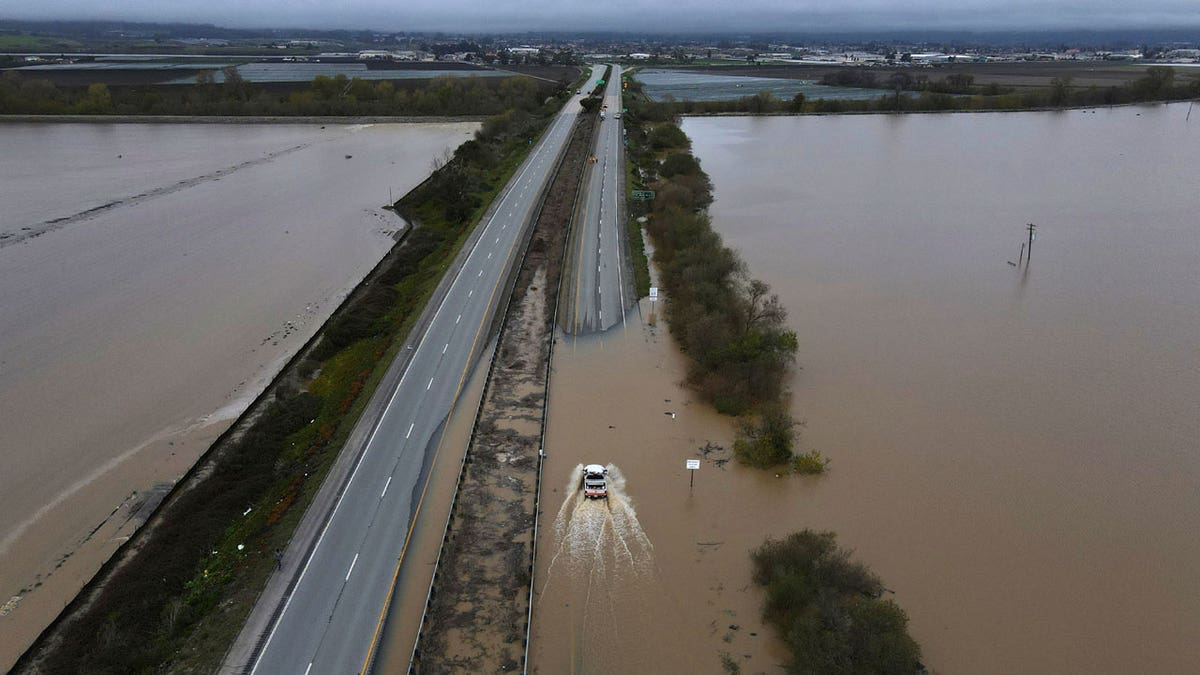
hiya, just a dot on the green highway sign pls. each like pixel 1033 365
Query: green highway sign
pixel 643 195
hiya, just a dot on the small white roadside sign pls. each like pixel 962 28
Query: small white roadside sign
pixel 693 464
pixel 653 293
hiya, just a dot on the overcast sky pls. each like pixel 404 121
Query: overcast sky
pixel 630 15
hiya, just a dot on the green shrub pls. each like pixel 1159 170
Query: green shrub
pixel 665 136
pixel 679 164
pixel 827 609
pixel 810 463
pixel 765 440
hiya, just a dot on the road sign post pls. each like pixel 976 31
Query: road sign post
pixel 692 466
pixel 643 195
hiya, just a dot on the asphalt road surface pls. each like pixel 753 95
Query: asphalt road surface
pixel 602 288
pixel 328 622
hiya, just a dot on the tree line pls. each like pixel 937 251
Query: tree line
pixel 324 95
pixel 955 92
pixel 731 327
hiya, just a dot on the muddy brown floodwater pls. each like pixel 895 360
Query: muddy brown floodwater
pixel 1014 450
pixel 155 278
pixel 656 578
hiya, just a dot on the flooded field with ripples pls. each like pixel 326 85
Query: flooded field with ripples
pixel 155 278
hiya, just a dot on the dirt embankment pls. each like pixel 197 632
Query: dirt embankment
pixel 476 616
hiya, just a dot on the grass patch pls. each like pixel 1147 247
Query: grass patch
pixel 633 229
pixel 37 43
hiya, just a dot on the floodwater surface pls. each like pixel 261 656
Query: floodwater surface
pixel 653 578
pixel 155 278
pixel 1016 449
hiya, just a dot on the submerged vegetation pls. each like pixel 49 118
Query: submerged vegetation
pixel 829 611
pixel 175 598
pixel 731 327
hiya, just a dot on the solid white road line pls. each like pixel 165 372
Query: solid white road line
pixel 395 392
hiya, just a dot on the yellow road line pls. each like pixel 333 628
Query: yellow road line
pixel 433 465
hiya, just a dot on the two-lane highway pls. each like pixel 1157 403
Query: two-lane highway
pixel 602 290
pixel 328 622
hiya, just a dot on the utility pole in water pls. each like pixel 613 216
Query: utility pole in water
pixel 1029 249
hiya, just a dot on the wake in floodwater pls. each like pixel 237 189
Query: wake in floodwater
pixel 603 571
pixel 600 539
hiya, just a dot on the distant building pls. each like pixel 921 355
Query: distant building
pixel 932 57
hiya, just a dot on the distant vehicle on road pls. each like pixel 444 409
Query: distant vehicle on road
pixel 617 116
pixel 595 482
pixel 578 91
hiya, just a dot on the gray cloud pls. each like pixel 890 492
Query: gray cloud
pixel 629 15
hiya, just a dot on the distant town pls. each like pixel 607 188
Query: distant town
pixel 43 42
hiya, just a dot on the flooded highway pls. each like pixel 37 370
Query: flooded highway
pixel 1013 447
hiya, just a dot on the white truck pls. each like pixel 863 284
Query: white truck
pixel 595 482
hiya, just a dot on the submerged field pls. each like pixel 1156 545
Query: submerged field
pixel 173 271
pixel 1013 446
